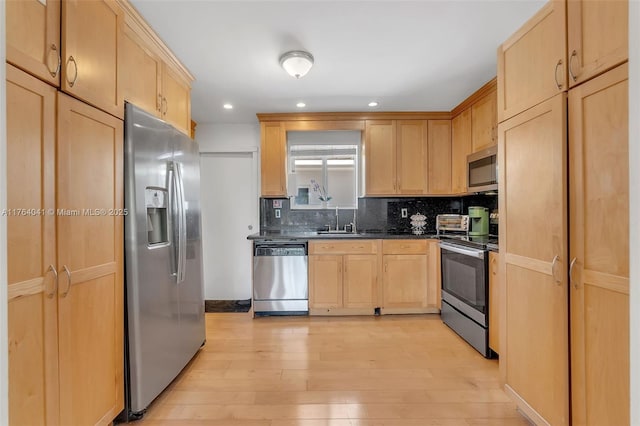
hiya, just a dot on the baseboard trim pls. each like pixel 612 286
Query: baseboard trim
pixel 525 409
pixel 227 305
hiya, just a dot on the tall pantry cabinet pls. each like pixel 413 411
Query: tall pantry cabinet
pixel 574 270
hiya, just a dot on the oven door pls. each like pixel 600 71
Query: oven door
pixel 464 280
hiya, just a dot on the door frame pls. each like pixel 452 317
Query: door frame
pixel 4 351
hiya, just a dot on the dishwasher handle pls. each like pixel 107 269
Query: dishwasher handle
pixel 280 249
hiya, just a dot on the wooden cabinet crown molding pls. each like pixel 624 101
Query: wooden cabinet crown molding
pixel 487 88
pixel 136 22
pixel 353 116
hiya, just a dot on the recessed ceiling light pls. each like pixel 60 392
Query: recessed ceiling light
pixel 373 104
pixel 227 106
pixel 301 105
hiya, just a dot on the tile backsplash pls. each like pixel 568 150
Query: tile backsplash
pixel 373 214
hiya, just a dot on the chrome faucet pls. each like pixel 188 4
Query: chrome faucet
pixel 337 224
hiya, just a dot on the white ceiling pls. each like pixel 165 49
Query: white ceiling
pixel 407 55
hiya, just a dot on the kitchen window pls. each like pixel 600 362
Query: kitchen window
pixel 323 169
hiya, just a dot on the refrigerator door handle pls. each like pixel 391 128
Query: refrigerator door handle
pixel 182 228
pixel 174 207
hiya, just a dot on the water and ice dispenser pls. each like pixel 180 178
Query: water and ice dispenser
pixel 156 203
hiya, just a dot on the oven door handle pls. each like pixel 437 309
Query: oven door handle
pixel 478 254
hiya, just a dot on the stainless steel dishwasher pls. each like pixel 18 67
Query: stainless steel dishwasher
pixel 280 283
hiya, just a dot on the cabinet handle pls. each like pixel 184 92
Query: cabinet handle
pixel 554 263
pixel 68 272
pixel 75 67
pixel 165 106
pixel 159 103
pixel 385 267
pixel 558 84
pixel 574 284
pixel 573 55
pixel 55 281
pixel 54 48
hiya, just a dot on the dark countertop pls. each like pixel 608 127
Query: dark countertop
pixel 313 235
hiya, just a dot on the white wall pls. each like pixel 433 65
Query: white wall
pixel 212 137
pixel 634 188
pixel 4 416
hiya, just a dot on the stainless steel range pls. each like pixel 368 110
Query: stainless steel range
pixel 465 287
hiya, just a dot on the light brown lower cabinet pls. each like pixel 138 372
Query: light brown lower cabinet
pixel 494 297
pixel 343 277
pixel 407 284
pixel 599 229
pixel 65 267
pixel 567 312
pixel 534 358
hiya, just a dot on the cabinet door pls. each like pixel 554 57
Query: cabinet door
pixel 460 148
pixel 90 42
pixel 598 37
pixel 404 282
pixel 176 93
pixel 439 137
pixel 599 217
pixel 360 281
pixel 325 282
pixel 532 62
pixel 411 153
pixel 90 300
pixel 33 37
pixel 140 74
pixel 31 254
pixel 484 123
pixel 380 157
pixel 272 159
pixel 494 299
pixel 533 250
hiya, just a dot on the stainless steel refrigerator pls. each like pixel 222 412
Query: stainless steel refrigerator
pixel 163 256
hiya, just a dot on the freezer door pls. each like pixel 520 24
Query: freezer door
pixel 155 352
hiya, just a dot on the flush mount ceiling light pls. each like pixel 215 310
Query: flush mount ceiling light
pixel 227 106
pixel 296 62
pixel 373 104
pixel 301 105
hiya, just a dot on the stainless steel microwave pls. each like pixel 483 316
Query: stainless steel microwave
pixel 482 170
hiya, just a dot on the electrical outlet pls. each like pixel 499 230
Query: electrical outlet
pixel 404 213
pixel 277 213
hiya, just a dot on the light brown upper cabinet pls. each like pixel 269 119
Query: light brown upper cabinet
pixel 411 156
pixel 380 157
pixel 439 165
pixel 535 59
pixel 150 76
pixel 33 38
pixel 396 157
pixel 460 148
pixel 484 123
pixel 176 100
pixel 599 229
pixel 598 37
pixel 532 156
pixel 140 73
pixel 272 159
pixel 91 31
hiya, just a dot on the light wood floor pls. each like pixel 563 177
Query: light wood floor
pixel 339 371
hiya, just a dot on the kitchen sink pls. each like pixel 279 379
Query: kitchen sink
pixel 335 231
